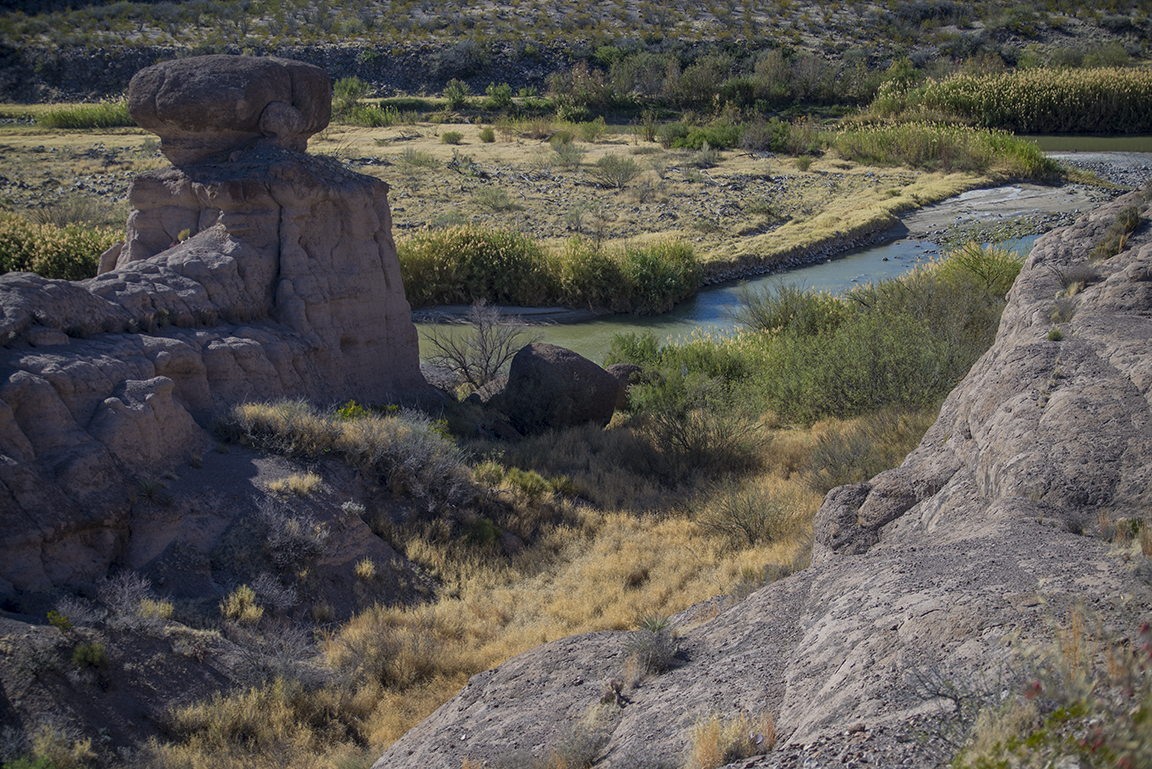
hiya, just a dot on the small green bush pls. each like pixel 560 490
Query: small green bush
pixel 347 93
pixel 615 171
pixel 456 92
pixel 59 621
pixel 451 137
pixel 487 135
pixel 499 97
pixel 89 655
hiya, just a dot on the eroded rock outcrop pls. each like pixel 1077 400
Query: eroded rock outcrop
pixel 986 532
pixel 249 271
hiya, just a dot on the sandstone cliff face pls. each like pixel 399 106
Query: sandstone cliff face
pixel 984 533
pixel 259 273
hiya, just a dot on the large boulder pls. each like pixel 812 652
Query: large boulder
pixel 992 530
pixel 204 105
pixel 258 274
pixel 551 387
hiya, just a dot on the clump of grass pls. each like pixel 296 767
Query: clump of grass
pixel 715 740
pixel 240 606
pixel 418 159
pixel 365 570
pixel 89 655
pixel 495 200
pixel 406 448
pixel 103 115
pixel 751 514
pixel 1116 238
pixel 652 645
pixel 299 484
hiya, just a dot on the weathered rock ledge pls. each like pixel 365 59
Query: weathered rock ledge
pixel 256 273
pixel 986 532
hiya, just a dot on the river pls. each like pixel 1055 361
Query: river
pixel 711 310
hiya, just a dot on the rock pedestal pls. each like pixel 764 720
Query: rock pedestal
pixel 250 271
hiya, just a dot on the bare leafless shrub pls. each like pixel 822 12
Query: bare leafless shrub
pixel 479 357
pixel 124 593
pixel 80 611
pixel 294 537
pixel 274 595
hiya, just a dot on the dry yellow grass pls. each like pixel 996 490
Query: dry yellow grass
pixel 300 484
pixel 715 741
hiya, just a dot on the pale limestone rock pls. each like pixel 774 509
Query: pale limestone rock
pixel 986 530
pixel 286 284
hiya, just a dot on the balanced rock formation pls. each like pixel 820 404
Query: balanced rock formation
pixel 250 270
pixel 989 531
pixel 551 387
pixel 209 104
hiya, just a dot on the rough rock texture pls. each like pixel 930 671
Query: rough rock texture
pixel 626 375
pixel 985 532
pixel 208 104
pixel 551 387
pixel 286 284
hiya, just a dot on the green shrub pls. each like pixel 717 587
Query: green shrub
pixel 451 137
pixel 585 274
pixel 89 655
pixel 499 97
pixel 487 135
pixel 463 264
pixel 347 93
pixel 459 265
pixel 945 148
pixel 615 171
pixel 698 423
pixel 59 621
pixel 568 154
pixel 903 342
pixel 104 115
pixel 69 253
pixel 456 92
pixel 719 135
pixel 591 130
pixel 660 275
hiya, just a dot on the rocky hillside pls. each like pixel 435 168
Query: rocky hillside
pixel 930 575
